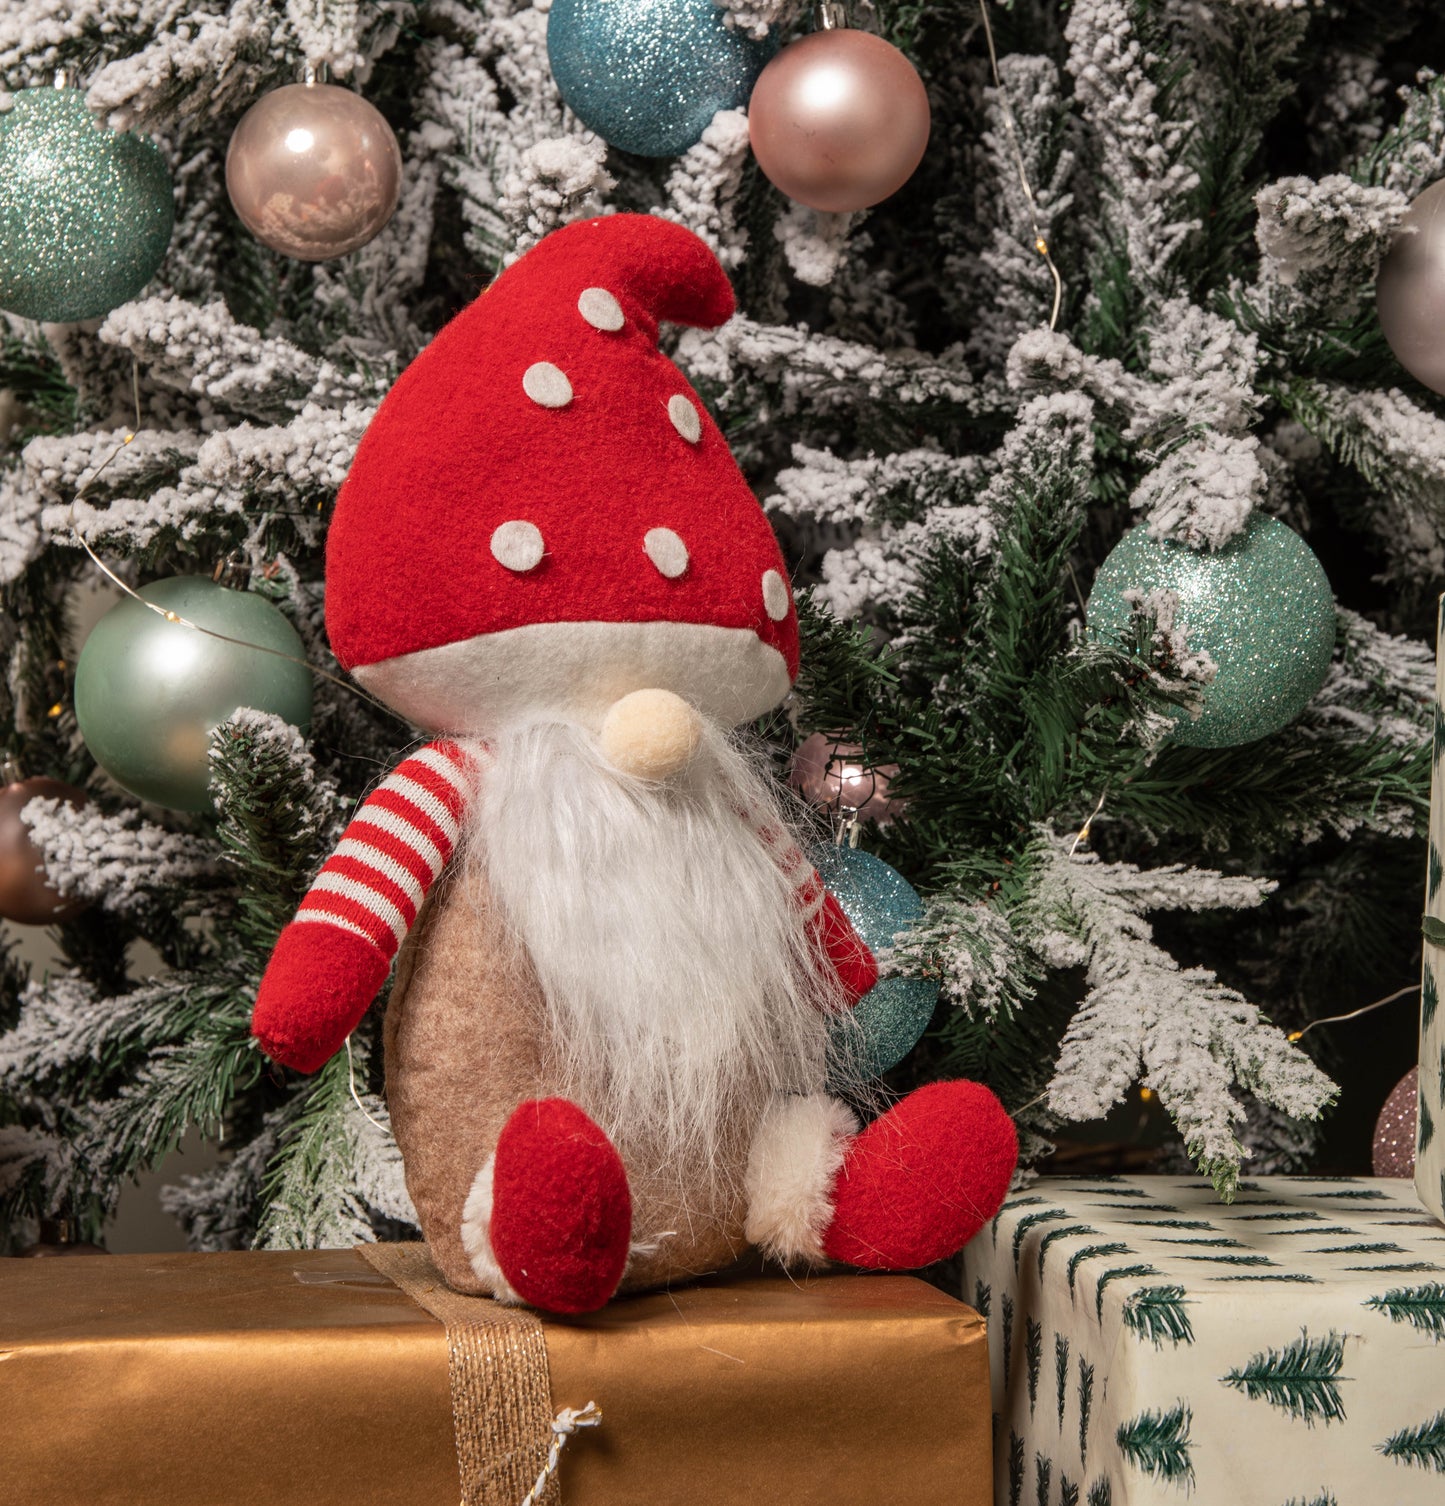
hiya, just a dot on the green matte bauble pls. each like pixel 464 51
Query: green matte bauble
pixel 149 692
pixel 85 212
pixel 888 1020
pixel 1261 608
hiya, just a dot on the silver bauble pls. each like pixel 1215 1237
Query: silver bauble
pixel 313 170
pixel 1410 297
pixel 149 692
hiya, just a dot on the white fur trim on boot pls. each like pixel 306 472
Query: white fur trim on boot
pixel 792 1166
pixel 476 1235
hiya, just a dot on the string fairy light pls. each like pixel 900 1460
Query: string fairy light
pixel 1082 835
pixel 1041 244
pixel 175 617
pixel 1354 1014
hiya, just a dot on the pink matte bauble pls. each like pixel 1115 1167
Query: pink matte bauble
pixel 313 170
pixel 1394 1149
pixel 26 895
pixel 839 120
pixel 831 773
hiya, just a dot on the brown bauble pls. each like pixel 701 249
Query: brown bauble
pixel 839 120
pixel 26 894
pixel 313 170
pixel 59 1236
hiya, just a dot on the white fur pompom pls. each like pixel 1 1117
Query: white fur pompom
pixel 794 1160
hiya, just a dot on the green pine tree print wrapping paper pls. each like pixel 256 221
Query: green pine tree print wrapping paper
pixel 1430 1130
pixel 1148 1343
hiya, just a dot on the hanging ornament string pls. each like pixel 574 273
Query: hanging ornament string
pixel 1041 244
pixel 351 1083
pixel 175 617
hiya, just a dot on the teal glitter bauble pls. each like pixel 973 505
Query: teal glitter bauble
pixel 1262 609
pixel 85 212
pixel 149 693
pixel 888 1020
pixel 649 75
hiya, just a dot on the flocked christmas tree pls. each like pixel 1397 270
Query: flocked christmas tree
pixel 949 457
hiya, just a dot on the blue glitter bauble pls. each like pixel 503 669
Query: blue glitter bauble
pixel 649 75
pixel 888 1020
pixel 1262 609
pixel 85 212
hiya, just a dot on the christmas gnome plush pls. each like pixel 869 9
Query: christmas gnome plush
pixel 605 1041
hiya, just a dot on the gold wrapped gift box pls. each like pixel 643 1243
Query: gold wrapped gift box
pixel 273 1378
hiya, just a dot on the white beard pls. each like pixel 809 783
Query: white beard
pixel 681 987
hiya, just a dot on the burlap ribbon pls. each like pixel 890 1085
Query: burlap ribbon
pixel 501 1389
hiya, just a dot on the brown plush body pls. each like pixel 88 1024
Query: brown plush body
pixel 465 1044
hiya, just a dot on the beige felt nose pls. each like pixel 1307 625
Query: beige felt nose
pixel 650 734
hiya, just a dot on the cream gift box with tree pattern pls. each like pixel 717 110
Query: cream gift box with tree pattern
pixel 1150 1344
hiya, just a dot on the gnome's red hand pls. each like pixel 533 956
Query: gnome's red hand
pixel 333 958
pixel 318 984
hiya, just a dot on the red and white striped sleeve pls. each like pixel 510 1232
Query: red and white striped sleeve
pixel 395 849
pixel 830 928
pixel 331 961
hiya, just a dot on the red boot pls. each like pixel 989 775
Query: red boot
pixel 920 1182
pixel 561 1210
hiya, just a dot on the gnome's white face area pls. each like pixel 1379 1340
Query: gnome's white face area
pixel 580 671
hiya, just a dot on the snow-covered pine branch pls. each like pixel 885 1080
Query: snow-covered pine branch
pixel 336 1168
pixel 756 18
pixel 118 860
pixel 1010 285
pixel 821 487
pixel 821 374
pixel 705 183
pixel 970 948
pixel 286 469
pixel 68 1029
pixel 1141 152
pixel 213 56
pixel 1411 155
pixel 1045 451
pixel 1188 1036
pixel 202 351
pixel 1399 449
pixel 815 244
pixel 1203 492
pixel 555 181
pixel 1324 240
pixel 21 536
pixel 217 1208
pixel 1201 375
pixel 1379 685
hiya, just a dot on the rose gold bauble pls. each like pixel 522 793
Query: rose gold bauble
pixel 26 895
pixel 839 120
pixel 832 773
pixel 1394 1150
pixel 313 170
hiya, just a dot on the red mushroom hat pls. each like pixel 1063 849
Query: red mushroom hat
pixel 542 513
